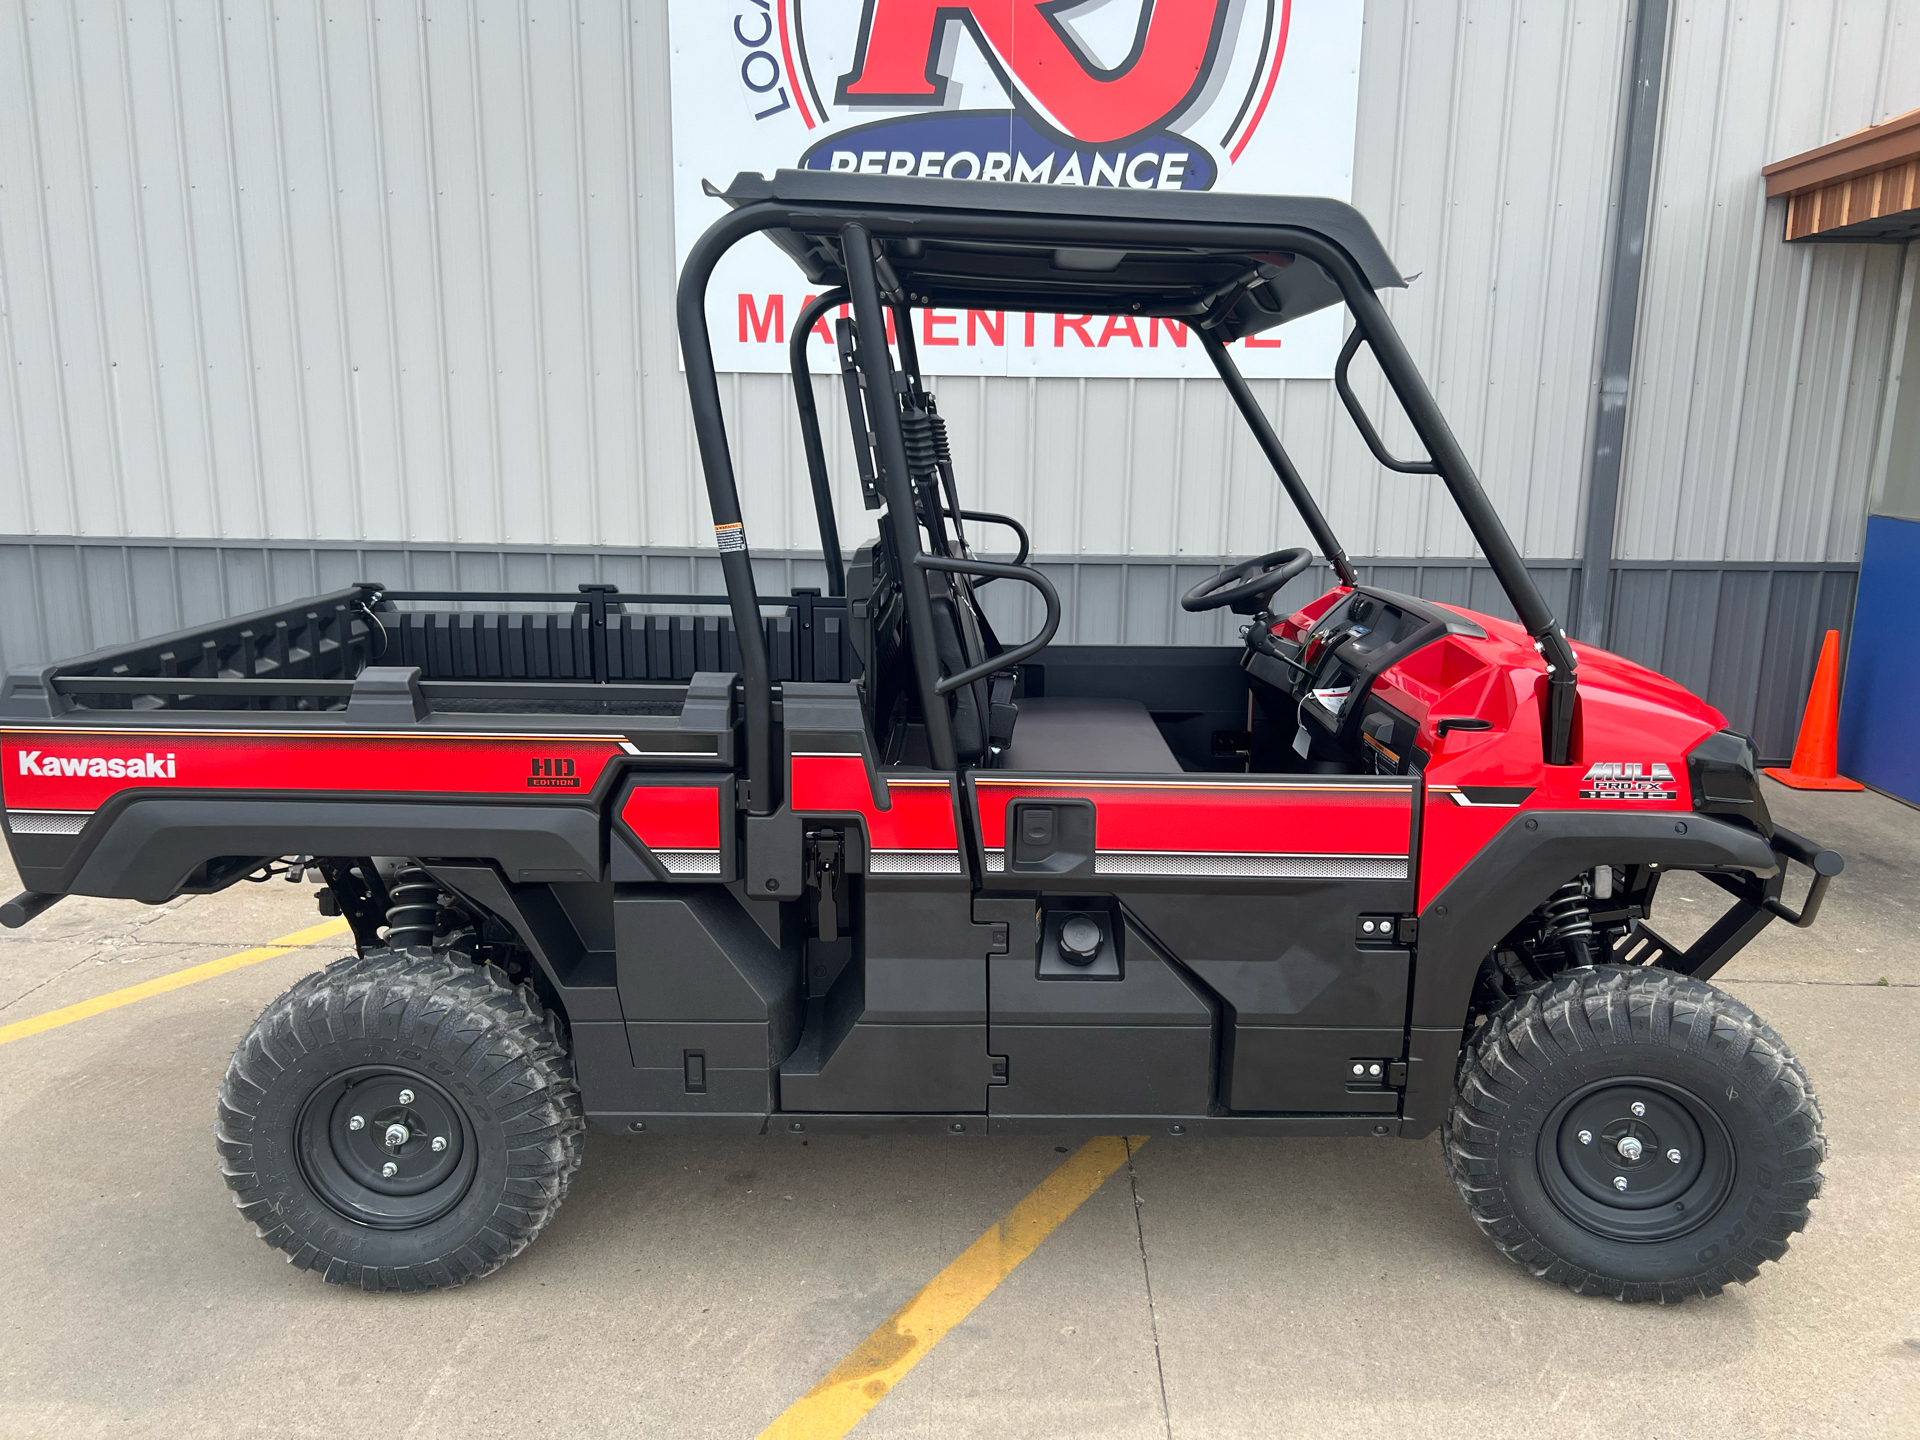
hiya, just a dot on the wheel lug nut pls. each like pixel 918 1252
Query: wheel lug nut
pixel 406 1098
pixel 440 1143
pixel 389 1170
pixel 358 1122
pixel 1636 1107
pixel 1674 1156
pixel 1619 1182
pixel 397 1135
pixel 1586 1137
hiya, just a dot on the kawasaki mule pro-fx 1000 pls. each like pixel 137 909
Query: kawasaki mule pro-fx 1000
pixel 849 861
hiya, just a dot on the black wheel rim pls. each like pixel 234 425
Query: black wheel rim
pixel 405 1163
pixel 1636 1159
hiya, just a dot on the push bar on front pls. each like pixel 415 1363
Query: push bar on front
pixel 1824 863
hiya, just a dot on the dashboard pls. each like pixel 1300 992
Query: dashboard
pixel 1330 671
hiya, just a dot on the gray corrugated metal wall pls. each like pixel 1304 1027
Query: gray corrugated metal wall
pixel 1760 366
pixel 381 271
pixel 385 277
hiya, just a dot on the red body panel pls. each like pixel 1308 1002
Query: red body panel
pixel 1629 717
pixel 674 817
pixel 37 766
pixel 911 814
pixel 1219 815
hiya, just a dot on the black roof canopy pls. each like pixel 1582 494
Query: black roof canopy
pixel 1217 260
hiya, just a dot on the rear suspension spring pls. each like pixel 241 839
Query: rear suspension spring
pixel 413 910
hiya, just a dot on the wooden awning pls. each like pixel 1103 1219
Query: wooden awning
pixel 1865 187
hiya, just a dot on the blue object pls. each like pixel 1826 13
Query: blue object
pixel 1880 706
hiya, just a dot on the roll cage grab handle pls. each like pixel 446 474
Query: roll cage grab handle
pixel 1448 460
pixel 803 324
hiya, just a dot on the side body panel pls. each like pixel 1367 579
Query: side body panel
pixel 904 1028
pixel 1243 980
pixel 134 808
pixel 712 1004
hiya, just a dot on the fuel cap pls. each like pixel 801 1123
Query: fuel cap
pixel 1080 941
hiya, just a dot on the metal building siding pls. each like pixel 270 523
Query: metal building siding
pixel 1759 366
pixel 366 270
pixel 1492 181
pixel 338 270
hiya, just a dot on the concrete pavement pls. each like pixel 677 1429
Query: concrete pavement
pixel 697 1286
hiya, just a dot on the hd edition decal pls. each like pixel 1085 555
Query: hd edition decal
pixel 1244 95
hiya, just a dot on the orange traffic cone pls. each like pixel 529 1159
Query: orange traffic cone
pixel 1816 754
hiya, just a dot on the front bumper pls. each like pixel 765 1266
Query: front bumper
pixel 1756 904
pixel 1824 863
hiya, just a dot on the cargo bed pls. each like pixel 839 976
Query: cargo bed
pixel 597 651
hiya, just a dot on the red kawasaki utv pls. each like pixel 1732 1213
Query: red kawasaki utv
pixel 850 861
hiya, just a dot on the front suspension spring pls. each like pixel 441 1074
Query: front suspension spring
pixel 1568 923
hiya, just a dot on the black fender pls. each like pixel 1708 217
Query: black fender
pixel 148 847
pixel 1533 855
pixel 580 982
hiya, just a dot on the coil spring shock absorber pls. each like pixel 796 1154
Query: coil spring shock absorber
pixel 413 909
pixel 1568 923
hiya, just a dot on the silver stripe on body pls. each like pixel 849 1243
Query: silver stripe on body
pixel 914 862
pixel 689 862
pixel 1282 867
pixel 48 822
pixel 1287 867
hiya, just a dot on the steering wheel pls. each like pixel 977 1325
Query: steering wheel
pixel 1248 586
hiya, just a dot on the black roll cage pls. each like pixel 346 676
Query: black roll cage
pixel 872 288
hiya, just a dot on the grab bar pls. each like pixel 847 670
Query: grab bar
pixel 1007 659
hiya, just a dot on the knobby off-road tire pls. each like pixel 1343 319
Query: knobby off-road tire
pixel 469 1066
pixel 1544 1121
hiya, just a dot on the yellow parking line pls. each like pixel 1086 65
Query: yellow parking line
pixel 879 1362
pixel 114 999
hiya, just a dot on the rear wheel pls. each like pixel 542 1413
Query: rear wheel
pixel 402 1121
pixel 1634 1133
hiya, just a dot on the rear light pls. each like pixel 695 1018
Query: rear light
pixel 1725 773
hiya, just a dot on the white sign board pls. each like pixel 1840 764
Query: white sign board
pixel 1243 95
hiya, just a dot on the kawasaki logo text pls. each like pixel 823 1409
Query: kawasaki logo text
pixel 98 767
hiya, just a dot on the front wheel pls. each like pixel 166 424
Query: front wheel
pixel 1634 1133
pixel 402 1121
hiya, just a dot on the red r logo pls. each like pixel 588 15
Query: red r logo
pixel 901 41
